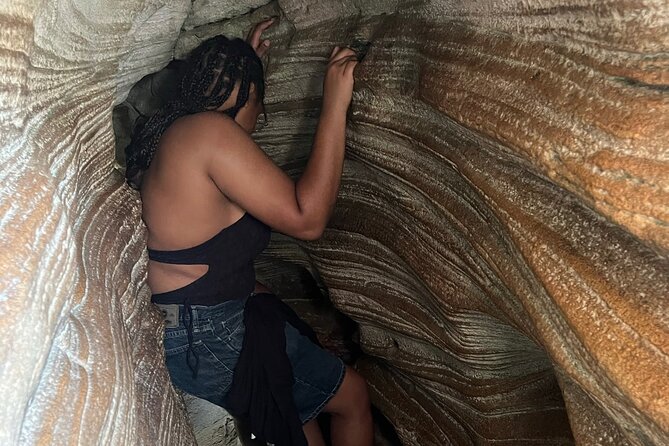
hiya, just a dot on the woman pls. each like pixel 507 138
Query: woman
pixel 210 196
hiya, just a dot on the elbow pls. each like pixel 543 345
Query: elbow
pixel 312 232
pixel 308 225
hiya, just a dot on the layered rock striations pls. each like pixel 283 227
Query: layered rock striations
pixel 81 362
pixel 500 236
pixel 496 230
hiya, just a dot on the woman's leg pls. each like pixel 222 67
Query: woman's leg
pixel 351 423
pixel 313 433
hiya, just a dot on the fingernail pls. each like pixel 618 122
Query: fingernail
pixel 266 43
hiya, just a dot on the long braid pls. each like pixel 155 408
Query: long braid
pixel 213 69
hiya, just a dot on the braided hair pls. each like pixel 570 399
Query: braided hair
pixel 213 69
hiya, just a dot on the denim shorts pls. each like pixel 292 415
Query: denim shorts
pixel 218 332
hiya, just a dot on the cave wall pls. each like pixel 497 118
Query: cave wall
pixel 500 237
pixel 81 362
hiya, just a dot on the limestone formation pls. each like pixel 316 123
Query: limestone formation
pixel 500 236
pixel 81 362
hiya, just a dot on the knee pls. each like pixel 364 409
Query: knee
pixel 352 397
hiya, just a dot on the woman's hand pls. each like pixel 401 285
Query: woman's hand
pixel 260 46
pixel 338 82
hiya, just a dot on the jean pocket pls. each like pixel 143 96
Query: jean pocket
pixel 230 331
pixel 209 354
pixel 177 345
pixel 215 366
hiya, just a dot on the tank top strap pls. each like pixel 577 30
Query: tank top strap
pixel 178 257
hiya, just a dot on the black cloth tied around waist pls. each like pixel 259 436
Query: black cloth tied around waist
pixel 262 386
pixel 261 392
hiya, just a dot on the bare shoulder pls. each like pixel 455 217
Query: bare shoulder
pixel 216 144
pixel 207 127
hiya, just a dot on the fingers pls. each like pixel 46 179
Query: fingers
pixel 262 26
pixel 347 66
pixel 343 66
pixel 263 48
pixel 350 67
pixel 257 30
pixel 340 53
pixel 346 59
pixel 255 34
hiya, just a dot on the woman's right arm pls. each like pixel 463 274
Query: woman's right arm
pixel 247 176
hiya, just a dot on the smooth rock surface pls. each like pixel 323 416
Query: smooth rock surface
pixel 204 12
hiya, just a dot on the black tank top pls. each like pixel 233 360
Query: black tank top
pixel 229 255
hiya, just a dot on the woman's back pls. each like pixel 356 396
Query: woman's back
pixel 181 205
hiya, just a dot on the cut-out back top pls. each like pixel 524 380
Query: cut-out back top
pixel 229 255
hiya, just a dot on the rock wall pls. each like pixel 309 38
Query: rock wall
pixel 500 238
pixel 81 362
